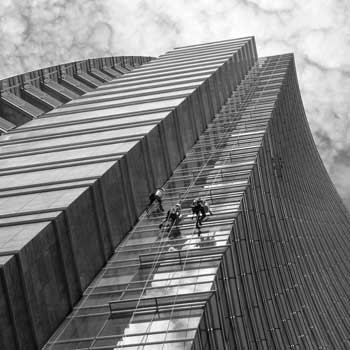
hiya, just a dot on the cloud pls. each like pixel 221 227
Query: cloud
pixel 37 34
pixel 40 33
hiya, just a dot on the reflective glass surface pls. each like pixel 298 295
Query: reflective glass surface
pixel 198 78
pixel 47 129
pixel 161 282
pixel 112 111
pixel 110 94
pixel 177 70
pixel 132 99
pixel 178 65
pixel 163 78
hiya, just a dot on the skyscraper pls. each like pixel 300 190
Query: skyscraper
pixel 268 268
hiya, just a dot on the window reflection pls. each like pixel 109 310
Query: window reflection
pixel 170 264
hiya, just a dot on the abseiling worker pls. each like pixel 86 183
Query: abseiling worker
pixel 173 217
pixel 198 210
pixel 207 207
pixel 157 196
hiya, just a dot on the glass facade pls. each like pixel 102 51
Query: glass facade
pixel 165 289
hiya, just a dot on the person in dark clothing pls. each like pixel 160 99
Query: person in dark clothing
pixel 156 196
pixel 198 209
pixel 173 217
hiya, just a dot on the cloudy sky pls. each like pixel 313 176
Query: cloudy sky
pixel 40 33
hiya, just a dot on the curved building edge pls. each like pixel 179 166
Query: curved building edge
pixel 29 95
pixel 291 240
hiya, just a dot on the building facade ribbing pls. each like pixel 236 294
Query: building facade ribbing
pixel 269 268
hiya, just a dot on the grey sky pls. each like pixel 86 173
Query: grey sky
pixel 40 33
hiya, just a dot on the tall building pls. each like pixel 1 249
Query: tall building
pixel 85 266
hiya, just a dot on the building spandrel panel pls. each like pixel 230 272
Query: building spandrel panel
pixel 70 140
pixel 37 201
pixel 20 179
pixel 14 238
pixel 9 166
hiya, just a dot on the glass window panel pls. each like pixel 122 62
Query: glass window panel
pixel 180 335
pixel 166 61
pixel 147 106
pixel 165 78
pixel 172 82
pixel 168 73
pixel 101 299
pixel 74 345
pixel 146 69
pixel 106 104
pixel 113 122
pixel 109 94
pixel 83 327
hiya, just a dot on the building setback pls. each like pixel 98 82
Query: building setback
pixel 83 266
